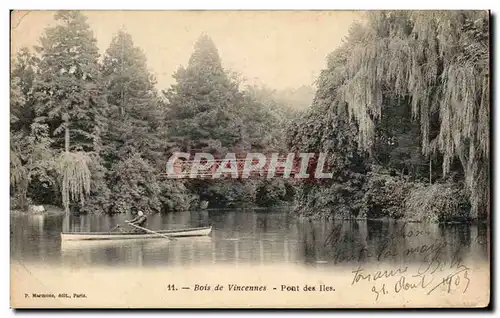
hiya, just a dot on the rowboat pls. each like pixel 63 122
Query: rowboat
pixel 79 236
pixel 75 247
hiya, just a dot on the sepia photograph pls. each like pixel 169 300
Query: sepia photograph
pixel 250 159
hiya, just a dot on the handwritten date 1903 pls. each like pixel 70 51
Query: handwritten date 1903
pixel 428 283
pixel 453 281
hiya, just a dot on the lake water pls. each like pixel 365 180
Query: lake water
pixel 267 243
pixel 246 236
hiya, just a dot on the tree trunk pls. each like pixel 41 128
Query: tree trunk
pixel 66 138
pixel 430 170
pixel 66 149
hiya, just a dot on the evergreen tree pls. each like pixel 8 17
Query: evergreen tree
pixel 202 104
pixel 136 120
pixel 136 134
pixel 264 119
pixel 69 98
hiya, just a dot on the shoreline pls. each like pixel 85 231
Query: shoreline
pixel 49 210
pixel 55 211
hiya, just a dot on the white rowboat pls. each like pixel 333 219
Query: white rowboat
pixel 79 236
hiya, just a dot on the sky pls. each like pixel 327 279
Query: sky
pixel 280 49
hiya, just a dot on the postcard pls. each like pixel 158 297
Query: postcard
pixel 250 159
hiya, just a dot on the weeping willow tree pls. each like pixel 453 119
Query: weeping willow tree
pixel 440 62
pixel 75 177
pixel 73 169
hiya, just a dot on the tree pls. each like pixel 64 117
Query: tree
pixel 137 132
pixel 439 61
pixel 134 108
pixel 206 111
pixel 325 130
pixel 32 169
pixel 69 98
pixel 18 173
pixel 264 119
pixel 397 140
pixel 201 105
pixel 24 68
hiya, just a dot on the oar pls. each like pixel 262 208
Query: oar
pixel 150 231
pixel 117 226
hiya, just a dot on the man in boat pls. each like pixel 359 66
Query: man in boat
pixel 140 220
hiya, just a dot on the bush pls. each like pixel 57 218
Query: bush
pixel 443 202
pixel 176 197
pixel 380 194
pixel 134 186
pixel 331 200
pixel 271 192
pixel 396 197
pixel 223 192
pixel 384 195
pixel 18 201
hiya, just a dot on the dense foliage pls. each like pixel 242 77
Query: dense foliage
pixel 415 87
pixel 401 109
pixel 439 61
pixel 94 135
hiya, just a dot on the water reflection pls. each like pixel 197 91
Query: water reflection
pixel 242 237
